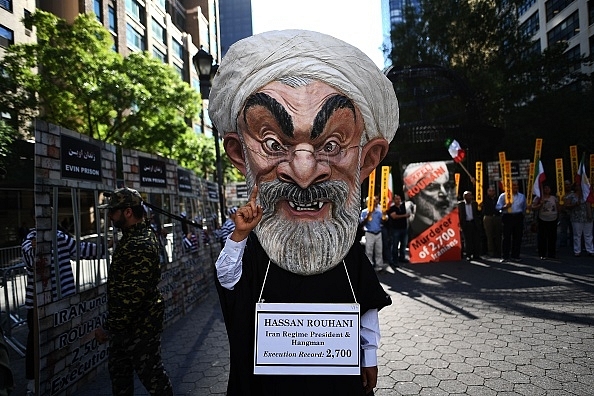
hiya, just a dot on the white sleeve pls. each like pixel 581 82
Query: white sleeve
pixel 228 264
pixel 370 337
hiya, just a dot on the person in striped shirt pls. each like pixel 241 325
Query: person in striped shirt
pixel 66 250
pixel 228 226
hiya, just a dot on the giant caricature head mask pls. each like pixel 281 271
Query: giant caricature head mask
pixel 306 117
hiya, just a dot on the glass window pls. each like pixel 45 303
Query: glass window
pixel 134 39
pixel 6 36
pixel 111 19
pixel 135 10
pixel 159 55
pixel 531 25
pixel 97 8
pixel 158 31
pixel 178 49
pixel 554 7
pixel 574 56
pixel 6 4
pixel 160 3
pixel 525 6
pixel 565 30
pixel 27 21
pixel 179 70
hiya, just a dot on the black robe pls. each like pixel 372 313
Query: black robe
pixel 239 305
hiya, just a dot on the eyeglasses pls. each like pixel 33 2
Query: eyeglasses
pixel 329 153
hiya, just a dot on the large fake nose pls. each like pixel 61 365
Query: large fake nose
pixel 304 169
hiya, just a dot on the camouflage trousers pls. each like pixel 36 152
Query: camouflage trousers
pixel 140 354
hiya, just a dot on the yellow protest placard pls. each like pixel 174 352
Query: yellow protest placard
pixel 385 199
pixel 478 187
pixel 573 158
pixel 371 192
pixel 507 177
pixel 560 179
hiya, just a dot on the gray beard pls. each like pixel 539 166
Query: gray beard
pixel 307 247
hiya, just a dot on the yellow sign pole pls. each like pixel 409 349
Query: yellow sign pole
pixel 457 180
pixel 591 169
pixel 371 192
pixel 573 157
pixel 478 187
pixel 560 179
pixel 385 179
pixel 502 167
pixel 509 196
pixel 530 183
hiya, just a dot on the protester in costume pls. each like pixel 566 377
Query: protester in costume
pixel 134 302
pixel 306 118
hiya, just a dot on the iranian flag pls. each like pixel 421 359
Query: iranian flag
pixel 538 180
pixel 455 150
pixel 582 178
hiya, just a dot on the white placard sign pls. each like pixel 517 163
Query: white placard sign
pixel 307 339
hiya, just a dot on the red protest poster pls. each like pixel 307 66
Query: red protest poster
pixel 430 192
pixel 440 242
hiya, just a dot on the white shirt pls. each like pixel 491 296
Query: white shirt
pixel 229 272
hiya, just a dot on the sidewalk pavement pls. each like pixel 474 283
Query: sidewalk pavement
pixel 458 328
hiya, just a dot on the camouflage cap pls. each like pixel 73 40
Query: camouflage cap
pixel 122 198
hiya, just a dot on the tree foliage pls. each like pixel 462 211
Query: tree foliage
pixel 483 43
pixel 72 77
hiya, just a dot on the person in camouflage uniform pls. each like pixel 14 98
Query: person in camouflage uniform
pixel 135 304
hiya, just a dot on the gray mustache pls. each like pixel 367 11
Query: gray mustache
pixel 333 190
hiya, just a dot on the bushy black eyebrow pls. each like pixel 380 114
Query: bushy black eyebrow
pixel 330 106
pixel 276 109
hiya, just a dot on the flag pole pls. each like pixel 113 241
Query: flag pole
pixel 466 170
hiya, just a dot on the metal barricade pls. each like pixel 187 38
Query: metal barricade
pixel 14 312
pixel 10 256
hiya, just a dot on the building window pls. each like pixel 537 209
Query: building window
pixel 112 19
pixel 159 55
pixel 6 37
pixel 158 32
pixel 135 10
pixel 196 84
pixel 134 39
pixel 161 3
pixel 574 56
pixel 530 27
pixel 6 4
pixel 178 49
pixel 98 9
pixel 179 70
pixel 565 30
pixel 27 19
pixel 178 17
pixel 525 6
pixel 554 7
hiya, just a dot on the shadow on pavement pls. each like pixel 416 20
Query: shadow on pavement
pixel 532 287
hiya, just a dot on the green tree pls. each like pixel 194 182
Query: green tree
pixel 72 77
pixel 511 80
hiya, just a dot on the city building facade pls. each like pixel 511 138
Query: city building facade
pixel 553 21
pixel 236 22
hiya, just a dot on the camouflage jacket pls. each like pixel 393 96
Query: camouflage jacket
pixel 134 301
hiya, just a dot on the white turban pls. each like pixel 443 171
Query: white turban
pixel 252 63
